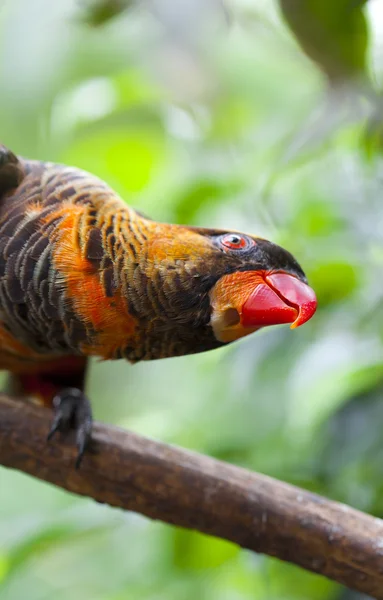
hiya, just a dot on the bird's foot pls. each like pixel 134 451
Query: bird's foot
pixel 73 412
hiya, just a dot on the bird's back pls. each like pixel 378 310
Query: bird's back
pixel 50 247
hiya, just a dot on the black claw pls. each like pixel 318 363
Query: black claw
pixel 54 427
pixel 73 412
pixel 83 428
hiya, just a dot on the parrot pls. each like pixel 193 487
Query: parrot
pixel 84 275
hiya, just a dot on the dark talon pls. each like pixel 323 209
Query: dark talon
pixel 73 411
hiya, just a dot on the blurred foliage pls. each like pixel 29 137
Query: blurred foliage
pixel 211 115
pixel 333 34
pixel 100 12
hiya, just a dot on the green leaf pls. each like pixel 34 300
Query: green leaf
pixel 333 34
pixel 100 12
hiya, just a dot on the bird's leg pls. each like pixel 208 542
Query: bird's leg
pixel 59 385
pixel 72 411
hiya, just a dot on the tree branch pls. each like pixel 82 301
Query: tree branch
pixel 194 491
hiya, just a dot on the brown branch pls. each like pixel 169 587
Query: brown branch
pixel 194 491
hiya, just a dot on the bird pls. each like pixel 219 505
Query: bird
pixel 84 275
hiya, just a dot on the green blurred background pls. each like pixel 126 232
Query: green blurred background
pixel 209 114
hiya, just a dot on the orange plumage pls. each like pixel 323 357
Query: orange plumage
pixel 82 274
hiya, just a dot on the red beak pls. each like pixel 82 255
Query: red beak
pixel 281 299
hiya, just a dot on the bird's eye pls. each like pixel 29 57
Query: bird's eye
pixel 235 241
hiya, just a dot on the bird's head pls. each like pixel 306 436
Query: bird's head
pixel 268 287
pixel 236 283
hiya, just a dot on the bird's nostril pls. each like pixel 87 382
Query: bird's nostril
pixel 231 317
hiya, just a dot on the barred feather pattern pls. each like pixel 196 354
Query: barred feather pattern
pixel 83 274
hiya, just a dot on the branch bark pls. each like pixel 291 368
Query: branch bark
pixel 194 491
